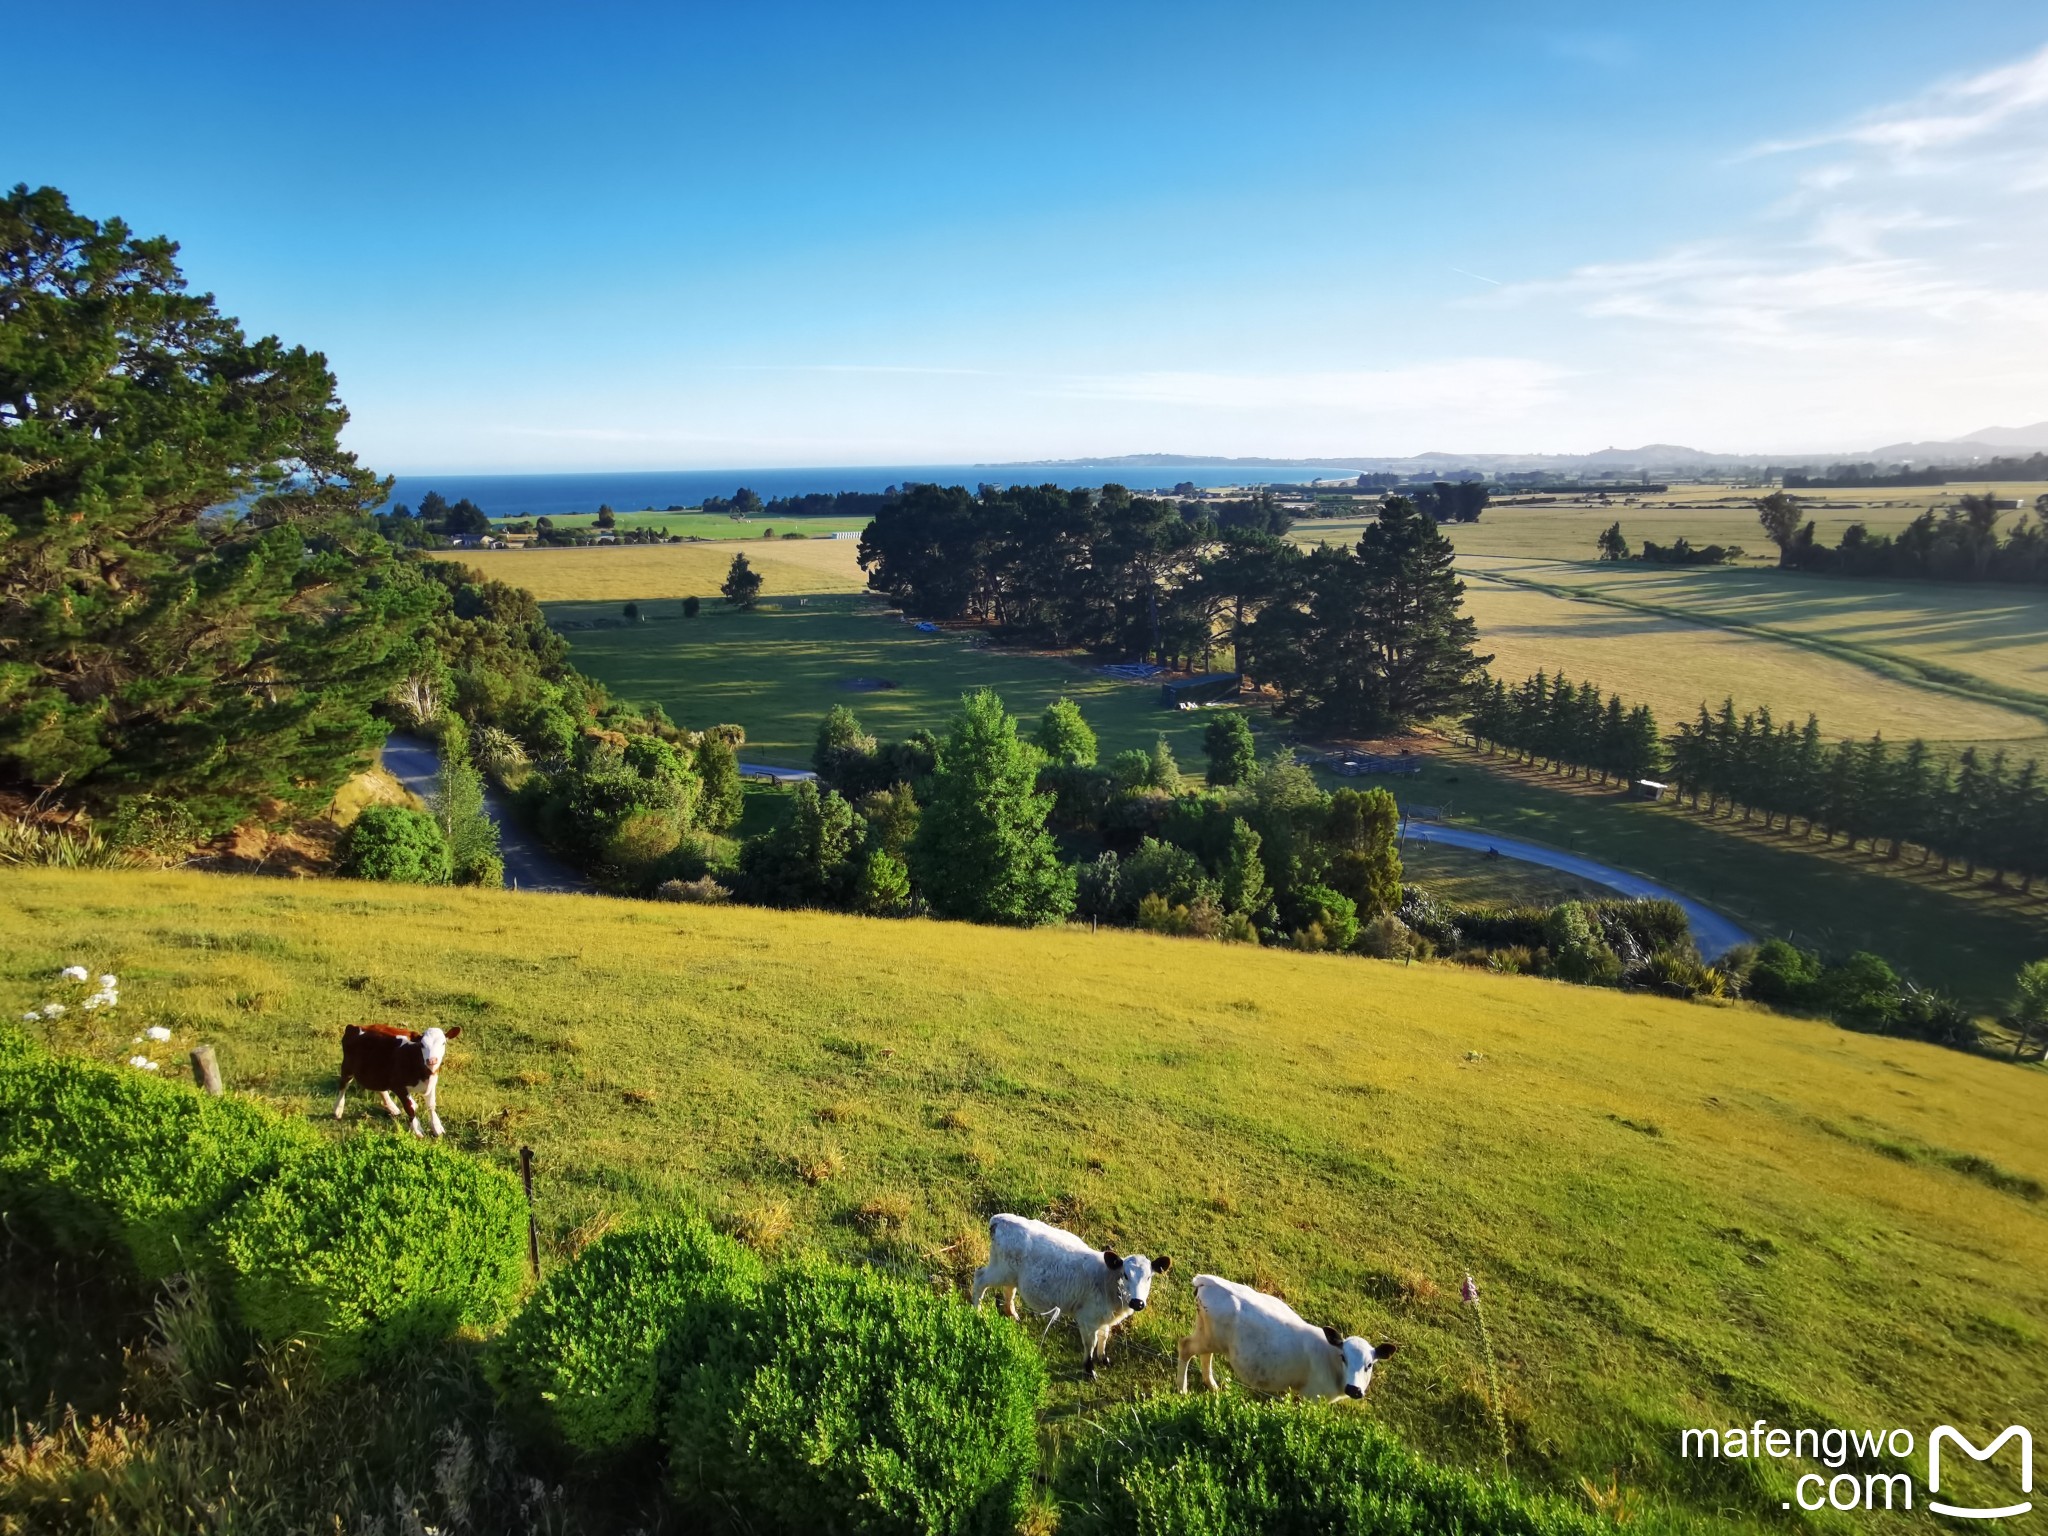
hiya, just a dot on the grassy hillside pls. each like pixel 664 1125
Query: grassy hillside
pixel 1679 1215
pixel 778 669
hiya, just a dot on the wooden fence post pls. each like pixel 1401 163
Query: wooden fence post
pixel 532 1224
pixel 206 1070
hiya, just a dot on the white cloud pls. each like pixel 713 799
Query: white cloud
pixel 1897 281
pixel 1490 385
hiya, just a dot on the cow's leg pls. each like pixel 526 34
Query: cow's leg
pixel 433 1103
pixel 1209 1371
pixel 1010 1303
pixel 412 1110
pixel 1185 1351
pixel 982 1285
pixel 343 1100
pixel 391 1105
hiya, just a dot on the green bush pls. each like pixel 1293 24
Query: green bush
pixel 109 1155
pixel 390 842
pixel 1577 950
pixel 1230 1465
pixel 586 1354
pixel 846 1401
pixel 1784 975
pixel 369 1246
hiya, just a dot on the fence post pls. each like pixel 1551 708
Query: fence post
pixel 532 1225
pixel 206 1070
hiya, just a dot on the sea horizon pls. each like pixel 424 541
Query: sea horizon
pixel 557 494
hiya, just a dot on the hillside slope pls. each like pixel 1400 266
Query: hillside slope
pixel 1678 1214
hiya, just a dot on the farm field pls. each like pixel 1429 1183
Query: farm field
pixel 628 572
pixel 1951 936
pixel 1674 661
pixel 1953 634
pixel 1679 1215
pixel 706 525
pixel 1566 529
pixel 778 670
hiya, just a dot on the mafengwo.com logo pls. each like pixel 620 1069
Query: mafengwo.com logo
pixel 1842 1489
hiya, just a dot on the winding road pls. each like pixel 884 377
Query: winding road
pixel 528 865
pixel 1714 934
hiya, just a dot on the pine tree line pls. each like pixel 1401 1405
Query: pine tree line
pixel 1977 811
pixel 1569 726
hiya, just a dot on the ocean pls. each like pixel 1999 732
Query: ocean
pixel 635 490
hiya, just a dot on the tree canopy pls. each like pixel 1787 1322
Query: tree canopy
pixel 192 596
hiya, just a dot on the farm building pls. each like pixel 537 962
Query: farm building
pixel 1205 688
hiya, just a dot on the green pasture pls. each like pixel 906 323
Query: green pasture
pixel 1529 525
pixel 701 525
pixel 778 669
pixel 1679 1215
pixel 1945 935
pixel 1970 640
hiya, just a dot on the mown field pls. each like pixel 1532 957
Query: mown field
pixel 1679 1215
pixel 627 572
pixel 1671 657
pixel 702 525
pixel 1954 636
pixel 1566 528
pixel 778 669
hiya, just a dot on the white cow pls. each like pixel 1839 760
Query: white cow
pixel 1058 1275
pixel 1271 1349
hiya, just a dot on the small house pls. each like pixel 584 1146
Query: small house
pixel 1648 789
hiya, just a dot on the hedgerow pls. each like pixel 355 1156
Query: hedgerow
pixel 585 1355
pixel 848 1401
pixel 100 1155
pixel 1228 1465
pixel 373 1245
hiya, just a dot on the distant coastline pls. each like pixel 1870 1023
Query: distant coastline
pixel 634 490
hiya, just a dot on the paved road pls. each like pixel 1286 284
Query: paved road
pixel 1714 934
pixel 528 865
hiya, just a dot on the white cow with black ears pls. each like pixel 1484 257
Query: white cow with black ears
pixel 1271 1348
pixel 1057 1275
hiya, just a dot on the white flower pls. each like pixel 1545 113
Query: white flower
pixel 53 1010
pixel 33 1016
pixel 142 1063
pixel 73 973
pixel 107 983
pixel 90 1003
pixel 157 1032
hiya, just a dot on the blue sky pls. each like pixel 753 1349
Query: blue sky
pixel 739 235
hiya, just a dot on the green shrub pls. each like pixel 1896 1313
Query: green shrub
pixel 585 1354
pixel 847 1401
pixel 368 1246
pixel 1652 921
pixel 1577 950
pixel 1329 912
pixel 110 1155
pixel 1491 927
pixel 1230 1465
pixel 390 842
pixel 1783 975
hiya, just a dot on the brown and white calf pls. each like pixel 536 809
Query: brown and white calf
pixel 1057 1274
pixel 388 1060
pixel 1271 1347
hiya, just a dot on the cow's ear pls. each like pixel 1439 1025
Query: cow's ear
pixel 1380 1352
pixel 1111 1258
pixel 1162 1264
pixel 451 1034
pixel 1336 1339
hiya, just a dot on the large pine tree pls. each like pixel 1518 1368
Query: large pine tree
pixel 982 852
pixel 1375 639
pixel 193 602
